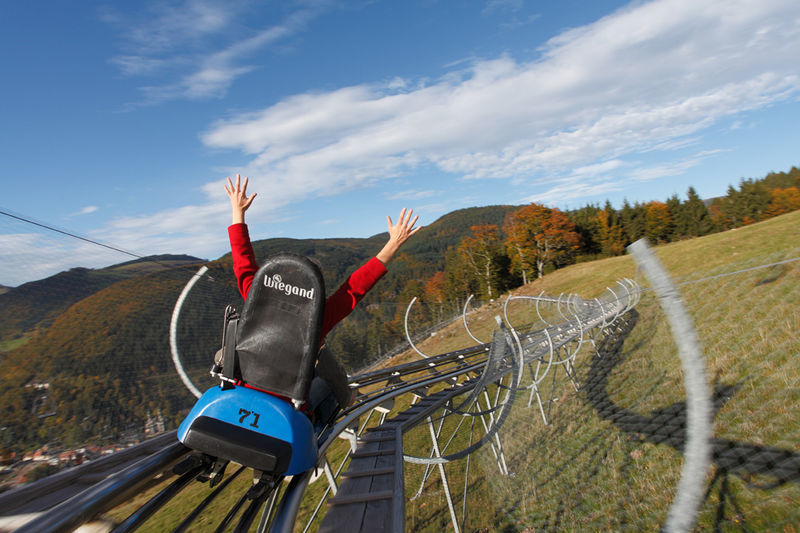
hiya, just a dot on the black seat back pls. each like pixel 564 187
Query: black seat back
pixel 277 341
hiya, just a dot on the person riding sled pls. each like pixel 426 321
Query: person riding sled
pixel 329 389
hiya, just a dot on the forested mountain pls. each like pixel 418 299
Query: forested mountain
pixel 36 304
pixel 95 361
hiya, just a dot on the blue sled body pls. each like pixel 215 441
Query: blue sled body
pixel 251 428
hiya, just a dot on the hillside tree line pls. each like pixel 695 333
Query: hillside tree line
pixel 536 239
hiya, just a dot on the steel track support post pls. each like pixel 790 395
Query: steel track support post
pixel 534 373
pixel 535 390
pixel 570 371
pixel 552 392
pixel 445 485
pixel 326 467
pixel 491 442
pixel 502 454
pixel 496 446
pixel 428 467
pixel 466 479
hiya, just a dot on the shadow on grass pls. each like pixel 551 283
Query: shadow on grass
pixel 668 426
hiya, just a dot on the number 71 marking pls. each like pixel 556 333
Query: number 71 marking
pixel 245 413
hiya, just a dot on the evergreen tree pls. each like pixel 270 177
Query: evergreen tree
pixel 752 201
pixel 674 207
pixel 695 218
pixel 724 210
pixel 588 228
pixel 634 221
pixel 782 180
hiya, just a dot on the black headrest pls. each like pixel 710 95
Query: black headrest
pixel 278 337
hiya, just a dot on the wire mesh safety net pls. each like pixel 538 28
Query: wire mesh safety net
pixel 610 457
pixel 85 357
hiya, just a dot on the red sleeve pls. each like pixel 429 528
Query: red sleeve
pixel 344 300
pixel 244 260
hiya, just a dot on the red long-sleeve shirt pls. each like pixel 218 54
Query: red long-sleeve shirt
pixel 337 306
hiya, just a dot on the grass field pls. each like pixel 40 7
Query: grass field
pixel 610 459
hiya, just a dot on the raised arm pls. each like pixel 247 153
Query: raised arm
pixel 398 234
pixel 244 260
pixel 239 199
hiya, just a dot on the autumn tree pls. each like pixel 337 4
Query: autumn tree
pixel 658 222
pixel 612 240
pixel 436 295
pixel 783 201
pixel 721 210
pixel 481 254
pixel 435 288
pixel 537 237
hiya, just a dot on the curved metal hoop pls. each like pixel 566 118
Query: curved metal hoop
pixel 173 332
pixel 408 337
pixel 466 326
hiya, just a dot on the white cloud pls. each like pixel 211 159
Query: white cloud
pixel 596 181
pixel 672 168
pixel 413 195
pixel 642 79
pixel 571 189
pixel 188 45
pixel 167 26
pixel 503 5
pixel 85 211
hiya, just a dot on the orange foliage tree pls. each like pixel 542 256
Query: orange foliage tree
pixel 436 294
pixel 783 201
pixel 538 236
pixel 658 222
pixel 435 288
pixel 611 238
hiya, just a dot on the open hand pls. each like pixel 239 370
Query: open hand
pixel 398 234
pixel 239 199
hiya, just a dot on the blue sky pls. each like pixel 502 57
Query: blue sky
pixel 120 121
